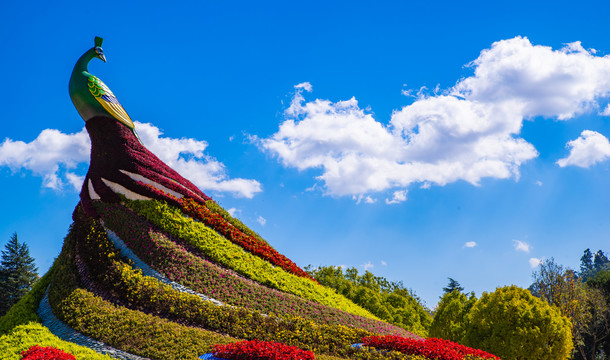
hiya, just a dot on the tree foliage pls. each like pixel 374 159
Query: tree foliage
pixel 515 325
pixel 453 285
pixel 591 264
pixel 17 273
pixel 584 304
pixel 388 300
pixel 557 285
pixel 451 317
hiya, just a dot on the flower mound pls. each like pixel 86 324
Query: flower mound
pixel 261 350
pixel 45 353
pixel 431 348
pixel 250 243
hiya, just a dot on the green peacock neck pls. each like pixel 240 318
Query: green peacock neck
pixel 83 61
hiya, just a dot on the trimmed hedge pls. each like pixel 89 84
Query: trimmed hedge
pixel 132 331
pixel 148 294
pixel 249 243
pixel 25 336
pixel 205 277
pixel 233 256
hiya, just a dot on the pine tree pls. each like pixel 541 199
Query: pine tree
pixel 600 260
pixel 17 273
pixel 586 262
pixel 453 286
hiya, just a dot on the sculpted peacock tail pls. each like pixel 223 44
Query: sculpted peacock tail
pixel 121 165
pixel 152 268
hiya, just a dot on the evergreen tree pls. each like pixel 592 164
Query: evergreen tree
pixel 17 273
pixel 586 262
pixel 453 286
pixel 600 261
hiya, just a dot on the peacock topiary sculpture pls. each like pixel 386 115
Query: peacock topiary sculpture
pixel 153 268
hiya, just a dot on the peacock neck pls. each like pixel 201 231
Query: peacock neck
pixel 83 62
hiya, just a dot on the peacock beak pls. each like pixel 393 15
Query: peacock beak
pixel 102 57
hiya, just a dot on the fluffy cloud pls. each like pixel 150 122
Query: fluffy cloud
pixel 470 244
pixel 397 197
pixel 590 148
pixel 468 132
pixel 261 220
pixel 54 156
pixel 521 246
pixel 534 262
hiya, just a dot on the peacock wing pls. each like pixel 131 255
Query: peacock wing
pixel 106 98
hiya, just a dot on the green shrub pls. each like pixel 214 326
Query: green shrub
pixel 390 301
pixel 148 294
pixel 190 270
pixel 24 311
pixel 131 331
pixel 513 324
pixel 451 318
pixel 233 256
pixel 25 336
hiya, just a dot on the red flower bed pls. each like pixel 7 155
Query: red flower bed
pixel 261 350
pixel 45 353
pixel 431 348
pixel 249 243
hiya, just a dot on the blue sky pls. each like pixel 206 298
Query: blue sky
pixel 418 140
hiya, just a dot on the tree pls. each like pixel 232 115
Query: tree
pixel 388 300
pixel 17 273
pixel 600 260
pixel 514 325
pixel 601 282
pixel 453 286
pixel 591 323
pixel 557 286
pixel 586 263
pixel 451 317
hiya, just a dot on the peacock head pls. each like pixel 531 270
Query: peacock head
pixel 98 49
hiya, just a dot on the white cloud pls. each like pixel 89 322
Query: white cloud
pixel 539 183
pixel 304 86
pixel 521 246
pixel 54 156
pixel 51 155
pixel 590 148
pixel 534 262
pixel 383 263
pixel 468 132
pixel 470 244
pixel 367 266
pixel 261 220
pixel 233 211
pixel 606 111
pixel 186 156
pixel 397 197
pixel 367 199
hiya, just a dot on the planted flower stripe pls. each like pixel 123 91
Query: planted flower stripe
pixel 200 275
pixel 146 293
pixel 233 256
pixel 129 330
pixel 261 350
pixel 431 348
pixel 249 243
pixel 46 353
